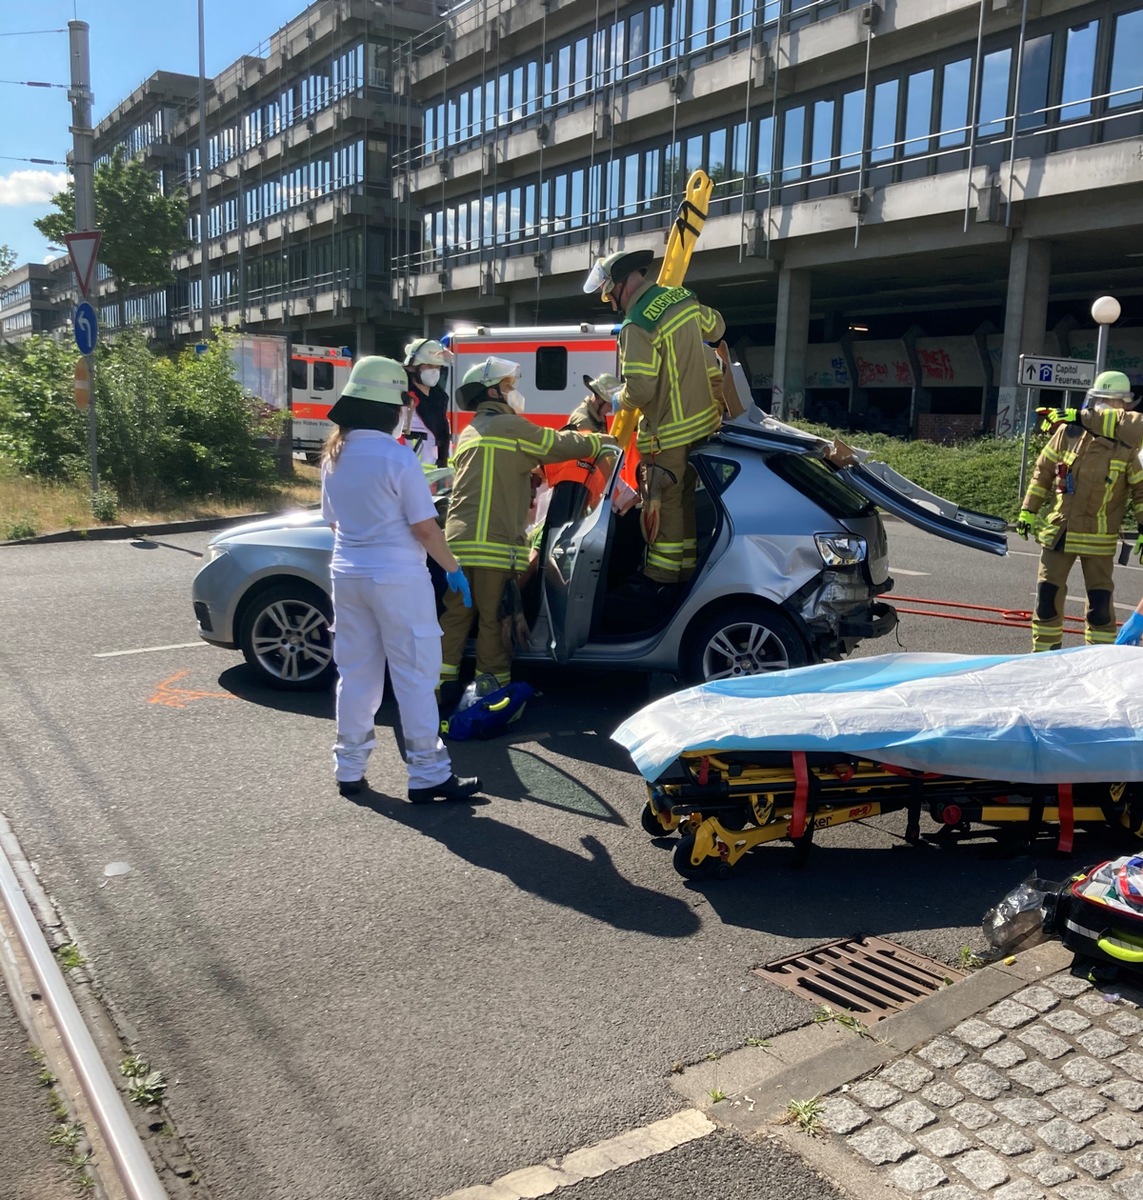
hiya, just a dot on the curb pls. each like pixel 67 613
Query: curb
pixel 103 533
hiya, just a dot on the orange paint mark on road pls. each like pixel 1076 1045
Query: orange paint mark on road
pixel 176 697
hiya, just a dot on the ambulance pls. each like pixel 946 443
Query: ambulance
pixel 553 361
pixel 317 376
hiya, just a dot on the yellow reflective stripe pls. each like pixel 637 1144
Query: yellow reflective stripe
pixel 1037 491
pixel 1051 454
pixel 634 366
pixel 547 440
pixel 449 671
pixel 1099 637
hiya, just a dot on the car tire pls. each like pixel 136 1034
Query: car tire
pixel 285 637
pixel 743 639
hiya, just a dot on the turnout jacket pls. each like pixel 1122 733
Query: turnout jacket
pixel 663 363
pixel 584 420
pixel 1101 473
pixel 494 456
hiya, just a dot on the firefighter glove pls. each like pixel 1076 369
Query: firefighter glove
pixel 458 583
pixel 1131 632
pixel 1057 416
pixel 1025 523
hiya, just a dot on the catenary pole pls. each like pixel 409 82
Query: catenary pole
pixel 203 171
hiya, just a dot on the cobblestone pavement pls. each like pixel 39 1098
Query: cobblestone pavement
pixel 1033 1098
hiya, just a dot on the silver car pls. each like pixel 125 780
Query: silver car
pixel 792 557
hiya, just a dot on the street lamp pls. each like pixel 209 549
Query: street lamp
pixel 1105 311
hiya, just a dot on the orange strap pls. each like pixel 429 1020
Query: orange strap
pixel 801 794
pixel 1067 818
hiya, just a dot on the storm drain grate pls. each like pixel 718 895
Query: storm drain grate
pixel 867 977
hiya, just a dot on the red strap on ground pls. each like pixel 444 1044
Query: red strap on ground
pixel 1067 818
pixel 801 794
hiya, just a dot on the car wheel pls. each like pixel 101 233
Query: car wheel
pixel 746 639
pixel 285 637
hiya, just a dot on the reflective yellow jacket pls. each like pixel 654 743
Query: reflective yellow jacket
pixel 494 456
pixel 662 361
pixel 1102 474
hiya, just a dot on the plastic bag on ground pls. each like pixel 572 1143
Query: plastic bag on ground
pixel 1017 922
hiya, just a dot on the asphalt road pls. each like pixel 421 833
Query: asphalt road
pixel 369 1000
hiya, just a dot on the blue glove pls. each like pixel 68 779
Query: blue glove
pixel 458 583
pixel 1132 631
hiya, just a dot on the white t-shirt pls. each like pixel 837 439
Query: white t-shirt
pixel 373 493
pixel 423 440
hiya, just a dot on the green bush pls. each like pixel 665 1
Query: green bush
pixel 166 427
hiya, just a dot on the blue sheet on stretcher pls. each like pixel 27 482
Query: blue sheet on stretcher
pixel 1069 716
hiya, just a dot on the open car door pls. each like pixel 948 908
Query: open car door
pixel 878 483
pixel 577 535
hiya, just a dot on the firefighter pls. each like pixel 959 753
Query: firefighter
pixel 1084 478
pixel 426 422
pixel 488 514
pixel 663 363
pixel 592 413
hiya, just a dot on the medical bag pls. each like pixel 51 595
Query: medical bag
pixel 489 714
pixel 1099 912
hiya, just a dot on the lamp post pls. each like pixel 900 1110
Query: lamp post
pixel 203 201
pixel 1105 311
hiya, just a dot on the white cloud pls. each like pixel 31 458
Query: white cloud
pixel 31 187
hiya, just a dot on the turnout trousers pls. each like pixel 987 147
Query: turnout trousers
pixel 672 556
pixel 1051 591
pixel 378 624
pixel 492 656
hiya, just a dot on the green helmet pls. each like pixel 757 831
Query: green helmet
pixel 608 273
pixel 479 378
pixel 1111 385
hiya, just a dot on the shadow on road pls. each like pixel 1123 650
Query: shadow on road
pixel 587 884
pixel 845 891
pixel 243 683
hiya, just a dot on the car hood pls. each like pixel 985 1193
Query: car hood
pixel 303 528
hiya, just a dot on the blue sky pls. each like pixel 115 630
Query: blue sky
pixel 130 40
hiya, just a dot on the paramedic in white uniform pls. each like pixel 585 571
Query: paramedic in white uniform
pixel 374 494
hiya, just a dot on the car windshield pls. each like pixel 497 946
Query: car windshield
pixel 814 479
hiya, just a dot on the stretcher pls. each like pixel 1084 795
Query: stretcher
pixel 724 805
pixel 1012 743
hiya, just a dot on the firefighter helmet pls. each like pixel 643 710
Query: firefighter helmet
pixel 1111 385
pixel 608 273
pixel 479 378
pixel 376 386
pixel 427 352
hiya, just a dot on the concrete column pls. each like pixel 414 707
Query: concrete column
pixel 366 338
pixel 1025 319
pixel 791 335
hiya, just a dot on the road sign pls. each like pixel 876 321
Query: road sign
pixel 86 328
pixel 1064 374
pixel 82 385
pixel 83 249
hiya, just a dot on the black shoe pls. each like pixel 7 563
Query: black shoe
pixel 351 787
pixel 452 789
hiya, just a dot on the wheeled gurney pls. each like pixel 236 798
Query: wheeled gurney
pixel 1014 743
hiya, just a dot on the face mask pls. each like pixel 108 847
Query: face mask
pixel 514 400
pixel 430 376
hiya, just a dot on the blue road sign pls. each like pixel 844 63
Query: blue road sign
pixel 86 328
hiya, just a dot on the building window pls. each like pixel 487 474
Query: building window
pixel 992 117
pixel 551 368
pixel 821 146
pixel 1032 102
pixel 793 148
pixel 1127 59
pixel 956 78
pixel 1079 71
pixel 884 138
pixel 918 112
pixel 852 129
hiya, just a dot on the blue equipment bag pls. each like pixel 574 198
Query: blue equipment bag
pixel 488 715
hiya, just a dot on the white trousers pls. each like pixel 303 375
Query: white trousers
pixel 390 622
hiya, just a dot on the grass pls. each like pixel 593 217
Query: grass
pixel 806 1114
pixel 824 1015
pixel 70 957
pixel 30 507
pixel 968 959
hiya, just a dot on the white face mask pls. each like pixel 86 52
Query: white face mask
pixel 514 400
pixel 430 376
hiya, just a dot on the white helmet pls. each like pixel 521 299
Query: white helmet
pixel 427 352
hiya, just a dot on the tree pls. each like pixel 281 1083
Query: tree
pixel 7 259
pixel 142 229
